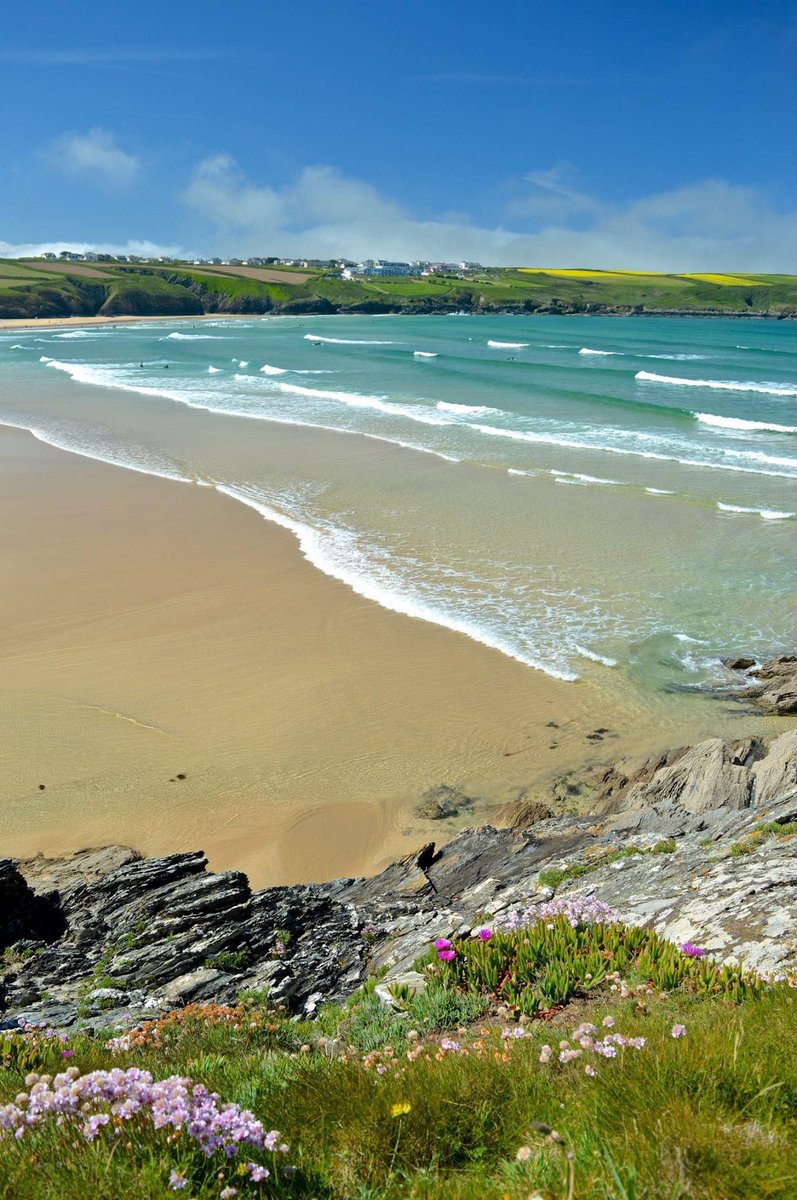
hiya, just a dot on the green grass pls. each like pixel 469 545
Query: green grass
pixel 25 291
pixel 708 1117
pixel 435 1096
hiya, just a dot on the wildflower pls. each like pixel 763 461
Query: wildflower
pixel 590 1070
pixel 447 955
pixel 608 1022
pixel 228 1193
pixel 678 1031
pixel 524 1154
pixel 257 1173
pixel 692 951
pixel 67 1054
pixel 546 1053
pixel 442 944
pixel 485 934
pixel 401 1109
pixel 177 1181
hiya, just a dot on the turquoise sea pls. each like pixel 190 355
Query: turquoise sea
pixel 584 494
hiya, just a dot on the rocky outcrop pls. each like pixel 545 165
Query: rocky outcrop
pixel 696 843
pixel 774 685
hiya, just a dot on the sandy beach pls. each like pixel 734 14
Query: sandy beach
pixel 74 322
pixel 176 675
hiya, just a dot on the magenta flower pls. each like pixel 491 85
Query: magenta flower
pixel 442 944
pixel 485 934
pixel 692 951
pixel 447 955
pixel 67 1054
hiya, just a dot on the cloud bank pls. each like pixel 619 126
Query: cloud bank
pixel 93 156
pixel 550 221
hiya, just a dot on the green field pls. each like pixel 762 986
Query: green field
pixel 116 289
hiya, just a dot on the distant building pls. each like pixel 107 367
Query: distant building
pixel 379 266
pixel 49 255
pixel 469 266
pixel 255 262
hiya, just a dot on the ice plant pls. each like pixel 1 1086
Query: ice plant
pixel 691 950
pixel 485 934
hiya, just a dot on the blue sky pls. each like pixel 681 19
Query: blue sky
pixel 598 133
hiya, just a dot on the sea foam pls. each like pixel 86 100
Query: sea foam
pixel 316 337
pixel 768 514
pixel 723 385
pixel 507 345
pixel 739 423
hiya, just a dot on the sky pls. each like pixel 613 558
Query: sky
pixel 591 133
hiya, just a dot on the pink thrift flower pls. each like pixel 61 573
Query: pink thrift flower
pixel 678 1031
pixel 608 1022
pixel 590 1070
pixel 177 1181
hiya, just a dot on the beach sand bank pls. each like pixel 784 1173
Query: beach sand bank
pixel 174 674
pixel 71 322
pixel 154 629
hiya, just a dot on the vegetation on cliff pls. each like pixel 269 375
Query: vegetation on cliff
pixel 34 288
pixel 669 1077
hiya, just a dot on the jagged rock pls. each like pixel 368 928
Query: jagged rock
pixel 704 778
pixel 773 686
pixel 443 801
pixel 109 928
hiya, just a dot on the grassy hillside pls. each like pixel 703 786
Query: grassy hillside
pixel 548 1061
pixel 36 289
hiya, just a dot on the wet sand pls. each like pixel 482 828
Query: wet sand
pixel 73 322
pixel 175 675
pixel 154 629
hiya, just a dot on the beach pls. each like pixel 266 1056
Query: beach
pixel 155 630
pixel 331 579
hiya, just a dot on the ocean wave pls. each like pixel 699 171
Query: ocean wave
pixel 267 369
pixel 190 337
pixel 214 370
pixel 724 385
pixel 99 454
pixel 738 423
pixel 507 345
pixel 71 334
pixel 768 514
pixel 243 363
pixel 571 443
pixel 335 552
pixel 601 353
pixel 316 337
pixel 659 491
pixel 358 400
pixel 677 357
pixel 478 410
pixel 603 659
pixel 424 354
pixel 576 477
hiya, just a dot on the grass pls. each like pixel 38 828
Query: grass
pixel 443 1097
pixel 183 288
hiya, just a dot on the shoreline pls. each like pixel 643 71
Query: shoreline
pixel 14 323
pixel 175 672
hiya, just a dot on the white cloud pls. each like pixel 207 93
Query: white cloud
pixel 145 248
pixel 95 156
pixel 710 225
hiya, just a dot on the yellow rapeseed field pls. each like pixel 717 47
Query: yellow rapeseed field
pixel 727 280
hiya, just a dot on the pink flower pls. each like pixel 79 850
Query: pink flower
pixel 442 944
pixel 447 955
pixel 177 1181
pixel 692 951
pixel 67 1054
pixel 485 934
pixel 678 1031
pixel 608 1022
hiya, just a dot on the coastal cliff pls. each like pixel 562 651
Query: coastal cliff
pixel 697 844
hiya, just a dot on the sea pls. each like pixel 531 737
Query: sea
pixel 603 495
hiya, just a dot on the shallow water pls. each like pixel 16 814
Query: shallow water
pixel 605 495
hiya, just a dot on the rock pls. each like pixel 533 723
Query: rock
pixel 410 981
pixel 126 937
pixel 443 801
pixel 704 778
pixel 772 687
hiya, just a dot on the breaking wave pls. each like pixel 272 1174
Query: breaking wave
pixel 723 385
pixel 738 423
pixel 768 514
pixel 507 345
